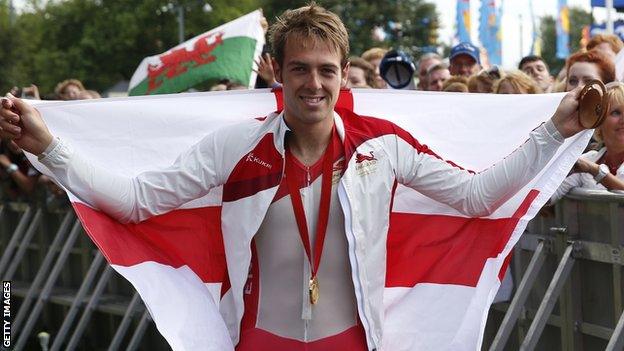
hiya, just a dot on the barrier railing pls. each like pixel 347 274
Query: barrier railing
pixel 62 291
pixel 568 296
pixel 570 293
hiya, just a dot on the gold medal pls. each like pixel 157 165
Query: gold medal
pixel 314 290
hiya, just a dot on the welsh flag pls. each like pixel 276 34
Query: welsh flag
pixel 443 268
pixel 227 51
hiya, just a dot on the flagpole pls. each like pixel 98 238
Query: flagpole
pixel 180 9
pixel 521 36
pixel 609 6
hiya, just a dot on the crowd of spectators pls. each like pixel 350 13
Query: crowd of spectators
pixel 461 72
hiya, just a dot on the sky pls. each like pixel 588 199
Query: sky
pixel 512 11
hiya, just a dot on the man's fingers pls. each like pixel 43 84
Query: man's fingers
pixel 7 114
pixel 576 92
pixel 20 104
pixel 9 127
pixel 6 102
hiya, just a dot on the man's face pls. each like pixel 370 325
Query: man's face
pixel 423 67
pixel 437 79
pixel 311 77
pixel 538 71
pixel 463 65
pixel 357 78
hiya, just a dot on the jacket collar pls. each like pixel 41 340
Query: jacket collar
pixel 281 129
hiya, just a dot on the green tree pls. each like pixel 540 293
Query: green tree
pixel 102 41
pixel 412 25
pixel 578 19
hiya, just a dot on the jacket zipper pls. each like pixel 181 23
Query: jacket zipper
pixel 342 193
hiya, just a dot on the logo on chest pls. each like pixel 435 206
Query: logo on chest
pixel 252 158
pixel 365 163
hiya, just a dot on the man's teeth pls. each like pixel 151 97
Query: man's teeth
pixel 312 99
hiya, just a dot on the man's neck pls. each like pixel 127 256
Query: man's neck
pixel 307 142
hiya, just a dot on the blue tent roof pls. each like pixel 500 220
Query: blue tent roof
pixel 601 3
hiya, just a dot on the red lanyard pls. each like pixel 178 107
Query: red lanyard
pixel 323 215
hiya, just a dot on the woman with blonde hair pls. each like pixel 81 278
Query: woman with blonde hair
pixel 516 82
pixel 604 168
pixel 456 84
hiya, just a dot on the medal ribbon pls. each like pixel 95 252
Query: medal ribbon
pixel 323 215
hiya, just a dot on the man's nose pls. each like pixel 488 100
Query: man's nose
pixel 314 81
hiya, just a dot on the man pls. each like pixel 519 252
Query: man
pixel 306 167
pixel 537 69
pixel 436 76
pixel 426 61
pixel 464 60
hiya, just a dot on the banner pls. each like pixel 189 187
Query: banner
pixel 490 33
pixel 563 30
pixel 226 52
pixel 463 21
pixel 618 29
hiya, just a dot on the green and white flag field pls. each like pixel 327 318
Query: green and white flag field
pixel 225 52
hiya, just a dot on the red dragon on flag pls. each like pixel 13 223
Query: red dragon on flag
pixel 178 61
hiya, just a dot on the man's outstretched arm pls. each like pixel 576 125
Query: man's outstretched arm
pixel 481 194
pixel 127 199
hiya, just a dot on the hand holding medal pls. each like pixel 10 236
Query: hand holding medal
pixel 593 104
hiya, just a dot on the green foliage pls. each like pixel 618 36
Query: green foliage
pixel 103 41
pixel 100 41
pixel 578 19
pixel 418 21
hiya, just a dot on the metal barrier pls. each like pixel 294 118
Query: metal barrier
pixel 570 296
pixel 571 288
pixel 63 291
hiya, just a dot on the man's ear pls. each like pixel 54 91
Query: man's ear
pixel 277 70
pixel 345 74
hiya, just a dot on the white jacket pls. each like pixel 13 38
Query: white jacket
pixel 248 161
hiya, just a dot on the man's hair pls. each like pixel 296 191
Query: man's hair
pixel 374 54
pixel 530 59
pixel 60 87
pixel 309 22
pixel 613 40
pixel 520 81
pixel 605 66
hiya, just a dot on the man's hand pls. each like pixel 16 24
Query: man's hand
pixel 23 124
pixel 566 118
